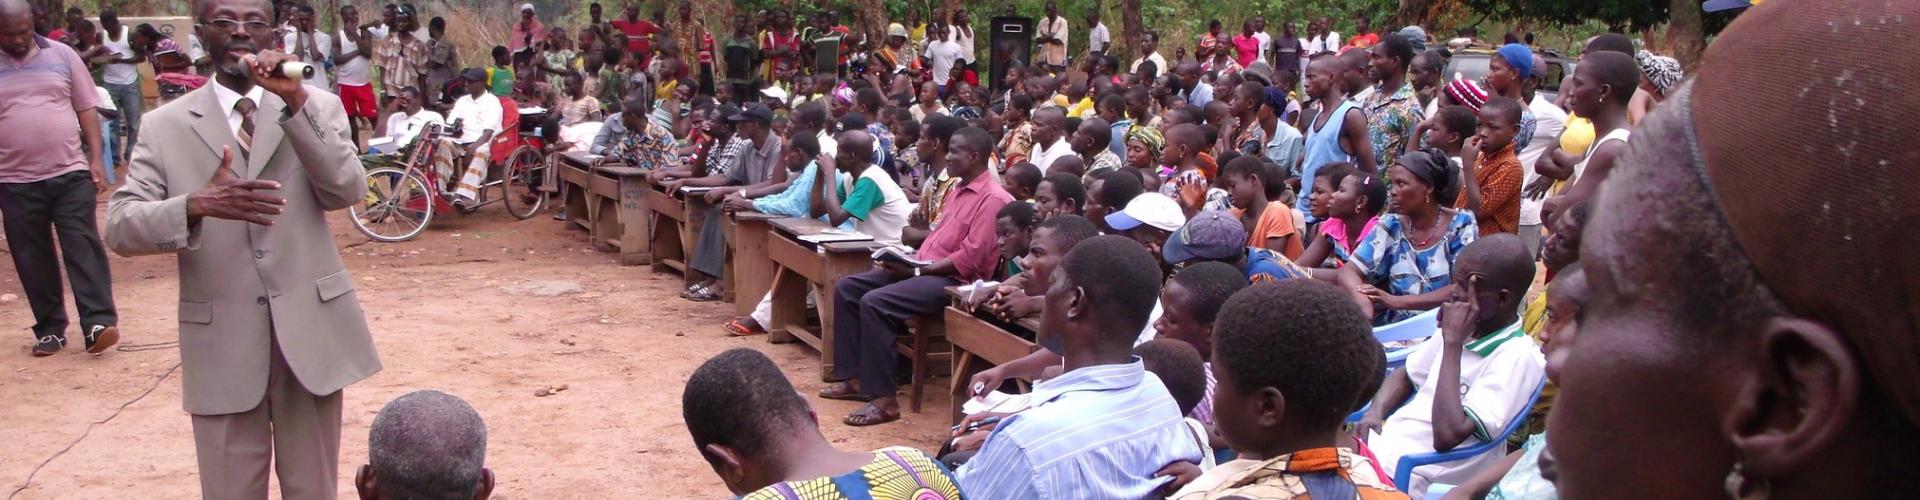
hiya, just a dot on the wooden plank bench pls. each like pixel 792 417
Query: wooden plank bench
pixel 749 271
pixel 979 344
pixel 600 201
pixel 801 267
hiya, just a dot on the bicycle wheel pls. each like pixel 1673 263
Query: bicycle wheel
pixel 526 169
pixel 397 207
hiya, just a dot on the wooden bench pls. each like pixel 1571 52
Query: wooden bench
pixel 602 200
pixel 749 272
pixel 979 344
pixel 801 267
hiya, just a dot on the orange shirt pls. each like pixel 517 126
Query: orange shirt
pixel 1499 176
pixel 1277 221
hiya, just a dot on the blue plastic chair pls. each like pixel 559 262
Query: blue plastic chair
pixel 1404 471
pixel 1421 326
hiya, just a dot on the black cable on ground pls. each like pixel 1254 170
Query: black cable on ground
pixel 91 426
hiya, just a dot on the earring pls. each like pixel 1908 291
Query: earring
pixel 1740 487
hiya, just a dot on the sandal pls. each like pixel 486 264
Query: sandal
pixel 844 392
pixel 738 328
pixel 869 415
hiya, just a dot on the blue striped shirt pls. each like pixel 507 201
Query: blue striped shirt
pixel 793 201
pixel 1096 432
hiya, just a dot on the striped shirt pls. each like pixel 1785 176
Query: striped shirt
pixel 1096 432
pixel 39 99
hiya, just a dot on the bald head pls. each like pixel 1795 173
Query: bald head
pixel 1185 134
pixel 428 444
pixel 855 147
pixel 13 10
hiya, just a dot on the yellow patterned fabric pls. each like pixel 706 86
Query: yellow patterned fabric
pixel 1300 474
pixel 895 473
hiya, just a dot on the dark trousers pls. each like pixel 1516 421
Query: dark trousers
pixel 870 311
pixel 34 213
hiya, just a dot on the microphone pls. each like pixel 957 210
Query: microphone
pixel 287 69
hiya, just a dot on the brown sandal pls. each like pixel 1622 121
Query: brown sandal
pixel 842 391
pixel 869 415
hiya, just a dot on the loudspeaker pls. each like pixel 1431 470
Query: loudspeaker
pixel 1011 39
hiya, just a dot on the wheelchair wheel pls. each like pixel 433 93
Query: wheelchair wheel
pixel 397 207
pixel 526 170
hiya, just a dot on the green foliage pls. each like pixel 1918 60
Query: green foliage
pixel 1634 15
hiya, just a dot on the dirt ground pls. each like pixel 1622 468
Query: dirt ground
pixel 442 319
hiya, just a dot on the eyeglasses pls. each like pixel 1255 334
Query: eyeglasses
pixel 230 25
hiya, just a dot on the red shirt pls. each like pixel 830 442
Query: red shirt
pixel 639 37
pixel 1248 49
pixel 966 233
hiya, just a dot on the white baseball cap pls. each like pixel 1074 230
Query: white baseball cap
pixel 526 7
pixel 775 92
pixel 1152 209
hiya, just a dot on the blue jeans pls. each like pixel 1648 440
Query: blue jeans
pixel 107 135
pixel 128 99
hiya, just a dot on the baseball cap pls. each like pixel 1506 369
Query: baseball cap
pixel 526 7
pixel 755 112
pixel 775 92
pixel 474 74
pixel 1416 36
pixel 896 29
pixel 1152 209
pixel 1211 235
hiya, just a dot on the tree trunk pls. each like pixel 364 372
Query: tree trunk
pixel 1131 31
pixel 1685 32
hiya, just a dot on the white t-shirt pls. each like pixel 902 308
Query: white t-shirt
pixel 1548 121
pixel 357 72
pixel 119 73
pixel 1044 156
pixel 106 99
pixel 1159 64
pixel 1498 374
pixel 379 32
pixel 322 44
pixel 1266 44
pixel 943 54
pixel 1098 38
pixel 1329 42
pixel 403 129
pixel 1051 28
pixel 475 115
pixel 884 222
pixel 965 41
pixel 1149 332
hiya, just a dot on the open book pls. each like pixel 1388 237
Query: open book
pixel 836 234
pixel 898 254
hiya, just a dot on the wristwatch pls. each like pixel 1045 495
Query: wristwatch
pixel 916 272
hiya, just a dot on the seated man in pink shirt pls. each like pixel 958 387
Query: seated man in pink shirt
pixel 872 308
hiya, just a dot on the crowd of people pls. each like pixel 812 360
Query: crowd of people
pixel 1208 242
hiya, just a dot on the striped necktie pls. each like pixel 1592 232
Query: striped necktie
pixel 245 107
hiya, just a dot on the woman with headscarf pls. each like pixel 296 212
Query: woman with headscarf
pixel 1143 149
pixel 1403 266
pixel 1658 74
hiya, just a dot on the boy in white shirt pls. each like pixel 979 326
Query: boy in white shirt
pixel 1472 380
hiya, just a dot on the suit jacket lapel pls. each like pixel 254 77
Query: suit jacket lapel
pixel 266 133
pixel 210 123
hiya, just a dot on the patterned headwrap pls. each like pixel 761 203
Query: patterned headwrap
pixel 1663 71
pixel 1150 137
pixel 843 96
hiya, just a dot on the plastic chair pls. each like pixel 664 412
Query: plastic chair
pixel 1404 471
pixel 1421 326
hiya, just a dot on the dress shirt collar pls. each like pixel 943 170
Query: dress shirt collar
pixel 228 97
pixel 1091 378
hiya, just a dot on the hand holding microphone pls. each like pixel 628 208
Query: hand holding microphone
pixel 282 74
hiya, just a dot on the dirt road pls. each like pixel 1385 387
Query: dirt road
pixel 443 318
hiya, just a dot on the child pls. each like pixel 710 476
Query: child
pixel 1480 351
pixel 1019 296
pixel 1518 475
pixel 1021 181
pixel 1184 372
pixel 1110 192
pixel 1561 249
pixel 1060 193
pixel 1326 180
pixel 1190 305
pixel 1352 211
pixel 928 103
pixel 868 194
pixel 1189 170
pixel 1013 231
pixel 1448 131
pixel 1493 194
pixel 1286 413
pixel 1270 224
pixel 500 76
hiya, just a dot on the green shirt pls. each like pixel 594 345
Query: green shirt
pixel 866 196
pixel 500 81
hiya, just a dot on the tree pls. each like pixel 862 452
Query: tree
pixel 1131 31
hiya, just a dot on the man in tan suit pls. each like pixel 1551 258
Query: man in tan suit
pixel 236 178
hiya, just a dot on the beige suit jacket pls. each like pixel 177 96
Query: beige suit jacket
pixel 245 286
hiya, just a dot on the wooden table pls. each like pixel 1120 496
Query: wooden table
pixel 603 201
pixel 801 267
pixel 979 344
pixel 749 271
pixel 676 227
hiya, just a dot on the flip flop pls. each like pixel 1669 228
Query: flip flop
pixel 843 392
pixel 869 415
pixel 738 328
